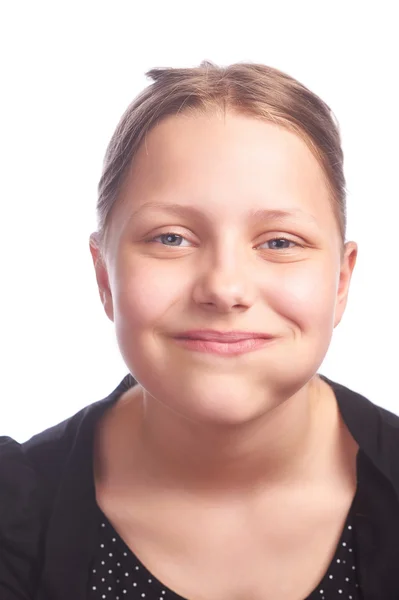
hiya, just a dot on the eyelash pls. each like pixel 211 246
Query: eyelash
pixel 170 233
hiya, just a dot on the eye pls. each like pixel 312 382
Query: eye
pixel 169 239
pixel 277 243
pixel 175 240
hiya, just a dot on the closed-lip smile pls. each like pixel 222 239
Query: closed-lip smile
pixel 212 335
pixel 224 343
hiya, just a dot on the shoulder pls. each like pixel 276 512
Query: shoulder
pixel 374 428
pixel 50 450
pixel 45 453
pixel 30 474
pixel 363 414
pixel 20 522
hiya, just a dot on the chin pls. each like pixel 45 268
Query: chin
pixel 224 404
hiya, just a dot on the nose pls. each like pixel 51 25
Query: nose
pixel 224 283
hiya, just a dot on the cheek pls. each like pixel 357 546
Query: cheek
pixel 306 295
pixel 143 293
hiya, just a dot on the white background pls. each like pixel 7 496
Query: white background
pixel 68 70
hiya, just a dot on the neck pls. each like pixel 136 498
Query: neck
pixel 289 443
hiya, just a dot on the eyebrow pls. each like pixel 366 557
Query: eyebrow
pixel 259 214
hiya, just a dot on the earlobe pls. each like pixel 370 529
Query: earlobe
pixel 101 276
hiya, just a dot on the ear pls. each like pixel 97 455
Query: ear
pixel 101 275
pixel 347 265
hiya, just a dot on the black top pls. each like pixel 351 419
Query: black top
pixel 50 526
pixel 117 574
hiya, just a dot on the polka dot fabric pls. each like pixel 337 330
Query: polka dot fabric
pixel 116 574
pixel 340 581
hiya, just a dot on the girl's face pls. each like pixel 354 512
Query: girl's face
pixel 224 223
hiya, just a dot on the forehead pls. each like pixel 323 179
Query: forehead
pixel 225 165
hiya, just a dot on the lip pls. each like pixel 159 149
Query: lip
pixel 225 343
pixel 212 335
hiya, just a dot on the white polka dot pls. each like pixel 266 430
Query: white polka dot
pixel 118 564
pixel 350 549
pixel 104 596
pixel 113 539
pixel 134 584
pixel 94 587
pixel 346 578
pixel 109 587
pixel 339 591
pixel 137 568
pixel 143 595
pixel 124 591
pixel 94 571
pixel 125 554
pixel 330 576
pixel 150 581
pixel 102 579
pixel 101 545
pixel 118 580
pixel 321 591
pixel 349 526
pixel 102 562
pixel 126 574
pixel 338 560
pixel 110 571
pixel 110 554
pixel 344 543
pixel 102 524
pixel 353 568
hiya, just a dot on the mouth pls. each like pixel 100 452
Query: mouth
pixel 224 343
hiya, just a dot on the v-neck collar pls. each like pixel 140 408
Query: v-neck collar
pixel 72 530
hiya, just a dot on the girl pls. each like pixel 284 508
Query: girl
pixel 223 466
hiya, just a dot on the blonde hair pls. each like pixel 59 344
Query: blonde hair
pixel 251 89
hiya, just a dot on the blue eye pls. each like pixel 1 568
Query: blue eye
pixel 280 239
pixel 172 239
pixel 175 240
